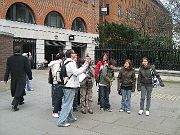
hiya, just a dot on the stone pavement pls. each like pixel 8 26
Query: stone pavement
pixel 35 116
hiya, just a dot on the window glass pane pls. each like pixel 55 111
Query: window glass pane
pixel 78 25
pixel 21 13
pixel 53 19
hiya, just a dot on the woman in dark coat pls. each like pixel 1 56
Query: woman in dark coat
pixel 145 84
pixel 126 84
pixel 18 67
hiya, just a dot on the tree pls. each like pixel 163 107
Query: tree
pixel 116 36
pixel 153 20
pixel 173 6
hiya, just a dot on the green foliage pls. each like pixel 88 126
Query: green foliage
pixel 153 43
pixel 115 36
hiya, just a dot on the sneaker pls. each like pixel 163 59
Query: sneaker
pixel 72 120
pixel 109 110
pixel 64 125
pixel 128 112
pixel 121 110
pixel 30 90
pixel 90 111
pixel 140 112
pixel 83 111
pixel 147 113
pixel 55 115
pixel 75 119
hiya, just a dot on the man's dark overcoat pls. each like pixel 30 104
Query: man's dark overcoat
pixel 17 66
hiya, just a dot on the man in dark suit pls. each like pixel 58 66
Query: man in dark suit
pixel 18 66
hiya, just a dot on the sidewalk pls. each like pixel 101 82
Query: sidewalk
pixel 35 116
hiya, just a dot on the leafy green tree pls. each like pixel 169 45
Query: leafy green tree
pixel 116 36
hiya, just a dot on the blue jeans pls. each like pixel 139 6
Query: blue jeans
pixel 126 100
pixel 67 109
pixel 28 84
pixel 104 97
pixel 145 92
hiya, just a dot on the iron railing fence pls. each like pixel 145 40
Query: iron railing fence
pixel 168 59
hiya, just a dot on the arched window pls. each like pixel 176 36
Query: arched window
pixel 78 25
pixel 54 19
pixel 21 13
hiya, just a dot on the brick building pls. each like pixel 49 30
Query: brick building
pixel 44 27
pixel 148 16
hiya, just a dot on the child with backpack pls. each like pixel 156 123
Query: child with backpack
pixel 57 92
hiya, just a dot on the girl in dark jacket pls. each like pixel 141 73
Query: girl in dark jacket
pixel 126 84
pixel 145 84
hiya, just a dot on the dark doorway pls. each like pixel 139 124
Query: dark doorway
pixel 79 48
pixel 27 45
pixel 52 48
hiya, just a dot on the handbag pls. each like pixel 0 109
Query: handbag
pixel 155 80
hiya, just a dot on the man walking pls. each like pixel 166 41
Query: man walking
pixel 18 66
pixel 71 84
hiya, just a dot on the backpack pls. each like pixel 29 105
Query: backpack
pixel 52 78
pixel 63 72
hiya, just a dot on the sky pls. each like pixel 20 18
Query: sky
pixel 163 1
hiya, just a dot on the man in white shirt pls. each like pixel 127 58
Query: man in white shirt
pixel 66 116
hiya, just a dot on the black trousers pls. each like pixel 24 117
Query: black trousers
pixel 17 100
pixel 57 97
pixel 76 101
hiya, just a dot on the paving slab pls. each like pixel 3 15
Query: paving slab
pixel 35 116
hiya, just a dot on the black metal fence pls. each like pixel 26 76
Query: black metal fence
pixel 162 59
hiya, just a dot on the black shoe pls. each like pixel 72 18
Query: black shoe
pixel 15 108
pixel 21 103
pixel 83 111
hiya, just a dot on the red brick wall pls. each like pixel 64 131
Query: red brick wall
pixel 69 9
pixel 6 49
pixel 133 6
